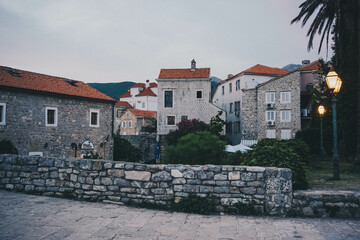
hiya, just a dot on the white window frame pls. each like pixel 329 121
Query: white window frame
pixel 230 87
pixel 129 124
pixel 197 94
pixel 285 97
pixel 271 133
pixel 237 85
pixel 98 117
pixel 270 97
pixel 267 116
pixel 223 90
pixel 3 114
pixel 285 134
pixel 285 115
pixel 55 117
pixel 167 122
pixel 123 124
pixel 172 99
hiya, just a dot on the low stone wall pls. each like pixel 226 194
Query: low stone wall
pixel 269 189
pixel 343 204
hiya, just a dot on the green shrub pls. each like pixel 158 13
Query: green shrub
pixel 196 204
pixel 125 151
pixel 185 127
pixel 281 154
pixel 196 148
pixel 6 147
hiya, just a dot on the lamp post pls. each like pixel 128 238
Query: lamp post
pixel 333 82
pixel 321 111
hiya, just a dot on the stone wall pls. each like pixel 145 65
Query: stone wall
pixel 146 143
pixel 345 204
pixel 268 188
pixel 26 128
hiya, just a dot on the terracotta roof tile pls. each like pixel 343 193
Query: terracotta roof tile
pixel 184 73
pixel 146 92
pixel 126 95
pixel 311 66
pixel 123 104
pixel 151 85
pixel 21 79
pixel 259 69
pixel 143 113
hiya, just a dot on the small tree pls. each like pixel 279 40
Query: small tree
pixel 196 148
pixel 185 127
pixel 124 151
pixel 217 124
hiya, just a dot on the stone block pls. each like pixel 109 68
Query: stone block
pixel 189 174
pixel 255 184
pixel 119 165
pixel 255 169
pixel 164 185
pixel 113 188
pixel 222 183
pixel 106 181
pixel 248 176
pixel 116 173
pixel 73 177
pixel 237 183
pixel 161 176
pixel 129 166
pixel 9 186
pixel 193 181
pixel 221 176
pixel 39 182
pixel 54 174
pixel 29 188
pixel 235 175
pixel 215 169
pixel 122 182
pixel 140 167
pixel 179 181
pixel 221 189
pixel 50 182
pixel 176 173
pixel 206 189
pixel 205 175
pixel 178 188
pixel 89 180
pixel 158 191
pixel 191 188
pixel 209 182
pixel 138 175
pixel 99 188
pixel 46 162
pixel 97 166
pixel 248 190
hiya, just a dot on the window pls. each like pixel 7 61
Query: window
pixel 123 124
pixel 237 106
pixel 2 113
pixel 285 97
pixel 237 85
pixel 143 104
pixel 229 127
pixel 285 134
pixel 237 127
pixel 134 105
pixel 231 108
pixel 94 117
pixel 223 90
pixel 129 124
pixel 51 117
pixel 198 94
pixel 285 115
pixel 270 116
pixel 270 97
pixel 184 118
pixel 230 87
pixel 270 134
pixel 171 120
pixel 168 99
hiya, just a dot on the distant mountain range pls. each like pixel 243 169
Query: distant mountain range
pixel 113 90
pixel 214 81
pixel 292 67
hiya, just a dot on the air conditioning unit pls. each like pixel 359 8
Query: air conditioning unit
pixel 270 106
pixel 271 123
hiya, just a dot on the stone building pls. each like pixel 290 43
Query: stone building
pixel 133 121
pixel 184 94
pixel 229 96
pixel 273 109
pixel 142 96
pixel 119 109
pixel 54 116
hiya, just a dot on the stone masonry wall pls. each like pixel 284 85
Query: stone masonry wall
pixel 269 189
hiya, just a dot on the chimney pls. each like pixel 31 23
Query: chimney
pixel 230 75
pixel 193 65
pixel 304 62
pixel 147 84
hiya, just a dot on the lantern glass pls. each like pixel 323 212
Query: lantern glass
pixel 331 79
pixel 321 110
pixel 338 85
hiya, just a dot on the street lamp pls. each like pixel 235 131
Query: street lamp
pixel 321 111
pixel 333 82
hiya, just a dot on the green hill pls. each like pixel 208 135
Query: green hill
pixel 113 90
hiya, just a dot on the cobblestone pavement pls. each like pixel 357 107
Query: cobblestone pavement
pixel 35 217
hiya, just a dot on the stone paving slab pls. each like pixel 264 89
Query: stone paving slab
pixel 36 217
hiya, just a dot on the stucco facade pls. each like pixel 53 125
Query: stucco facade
pixel 133 121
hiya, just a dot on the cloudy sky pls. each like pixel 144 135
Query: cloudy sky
pixel 119 40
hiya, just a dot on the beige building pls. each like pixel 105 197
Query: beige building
pixel 133 121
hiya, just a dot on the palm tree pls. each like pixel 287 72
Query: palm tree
pixel 341 20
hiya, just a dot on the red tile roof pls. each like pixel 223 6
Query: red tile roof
pixel 21 79
pixel 143 113
pixel 184 73
pixel 126 95
pixel 142 85
pixel 260 69
pixel 146 92
pixel 311 66
pixel 123 104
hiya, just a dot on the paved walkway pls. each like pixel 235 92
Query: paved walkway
pixel 35 217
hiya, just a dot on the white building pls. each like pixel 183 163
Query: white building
pixel 228 95
pixel 142 96
pixel 184 94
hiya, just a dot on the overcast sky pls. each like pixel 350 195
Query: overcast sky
pixel 112 41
